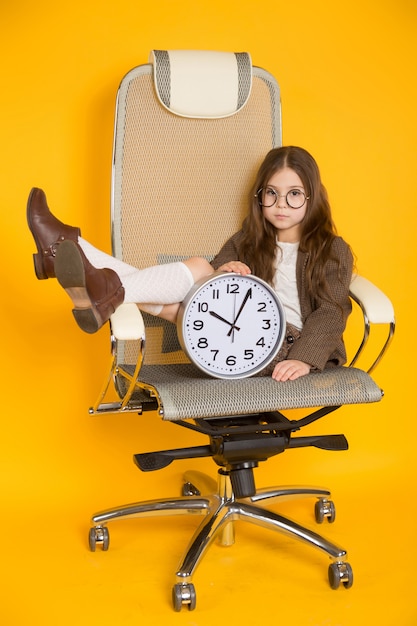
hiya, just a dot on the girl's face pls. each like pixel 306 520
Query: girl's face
pixel 286 220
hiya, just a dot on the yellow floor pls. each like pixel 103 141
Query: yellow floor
pixel 49 576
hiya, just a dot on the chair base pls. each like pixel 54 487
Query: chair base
pixel 220 511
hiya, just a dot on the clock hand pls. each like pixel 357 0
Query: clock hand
pixel 245 299
pixel 222 319
pixel 234 315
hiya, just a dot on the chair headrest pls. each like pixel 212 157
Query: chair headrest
pixel 202 83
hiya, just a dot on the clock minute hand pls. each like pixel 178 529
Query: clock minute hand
pixel 222 319
pixel 245 299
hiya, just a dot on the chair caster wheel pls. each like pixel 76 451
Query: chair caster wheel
pixel 99 534
pixel 325 509
pixel 340 573
pixel 184 595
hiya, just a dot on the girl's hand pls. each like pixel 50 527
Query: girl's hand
pixel 235 266
pixel 290 370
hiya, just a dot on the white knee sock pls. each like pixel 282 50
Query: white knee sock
pixel 151 287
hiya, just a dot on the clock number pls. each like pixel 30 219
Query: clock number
pixel 231 360
pixel 233 288
pixel 198 325
pixel 215 353
pixel 268 324
pixel 202 342
pixel 216 294
pixel 261 307
pixel 202 307
pixel 261 342
pixel 248 355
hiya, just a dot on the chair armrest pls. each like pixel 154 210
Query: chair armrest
pixel 375 304
pixel 127 322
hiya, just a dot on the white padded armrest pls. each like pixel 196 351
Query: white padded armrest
pixel 377 306
pixel 127 322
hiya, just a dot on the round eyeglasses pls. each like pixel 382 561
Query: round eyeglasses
pixel 268 196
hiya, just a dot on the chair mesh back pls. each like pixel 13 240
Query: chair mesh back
pixel 181 185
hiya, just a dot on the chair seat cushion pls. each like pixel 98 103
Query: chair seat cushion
pixel 185 392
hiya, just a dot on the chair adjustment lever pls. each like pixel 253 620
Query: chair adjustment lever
pixel 324 442
pixel 150 461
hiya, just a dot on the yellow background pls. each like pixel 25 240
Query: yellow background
pixel 348 79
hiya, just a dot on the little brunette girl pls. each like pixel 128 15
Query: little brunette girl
pixel 288 239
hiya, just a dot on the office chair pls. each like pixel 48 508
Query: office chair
pixel 191 130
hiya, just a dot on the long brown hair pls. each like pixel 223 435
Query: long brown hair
pixel 258 244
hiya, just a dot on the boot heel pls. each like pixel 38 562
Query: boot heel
pixel 86 320
pixel 84 311
pixel 39 267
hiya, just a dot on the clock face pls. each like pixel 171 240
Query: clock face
pixel 231 326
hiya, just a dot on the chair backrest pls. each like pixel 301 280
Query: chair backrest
pixel 183 168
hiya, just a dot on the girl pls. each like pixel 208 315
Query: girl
pixel 288 239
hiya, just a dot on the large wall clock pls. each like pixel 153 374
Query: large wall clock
pixel 231 326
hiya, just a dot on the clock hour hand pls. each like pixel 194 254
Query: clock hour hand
pixel 222 319
pixel 244 301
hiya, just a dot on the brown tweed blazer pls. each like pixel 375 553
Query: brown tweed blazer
pixel 321 341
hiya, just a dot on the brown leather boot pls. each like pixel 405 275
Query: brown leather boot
pixel 96 293
pixel 48 232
